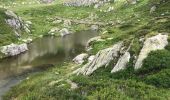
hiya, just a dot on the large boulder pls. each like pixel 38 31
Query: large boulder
pixel 80 58
pixel 14 49
pixel 157 42
pixel 102 58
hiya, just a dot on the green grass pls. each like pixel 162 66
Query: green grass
pixel 151 82
pixel 6 33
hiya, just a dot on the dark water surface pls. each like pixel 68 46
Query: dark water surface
pixel 42 54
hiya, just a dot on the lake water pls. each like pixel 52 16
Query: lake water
pixel 42 54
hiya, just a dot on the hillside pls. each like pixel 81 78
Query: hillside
pixel 131 54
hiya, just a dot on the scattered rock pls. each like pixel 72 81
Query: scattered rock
pixel 14 49
pixel 46 1
pixel 132 1
pixel 94 27
pixel 153 9
pixel 92 40
pixel 28 40
pixel 64 32
pixel 102 58
pixel 85 2
pixel 73 84
pixel 53 31
pixel 80 58
pixel 52 83
pixel 28 22
pixel 157 42
pixel 67 23
pixel 110 9
pixel 57 21
pixel 122 62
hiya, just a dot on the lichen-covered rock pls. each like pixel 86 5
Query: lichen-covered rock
pixel 80 58
pixel 14 49
pixel 157 42
pixel 102 58
pixel 122 62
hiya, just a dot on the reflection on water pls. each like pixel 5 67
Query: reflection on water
pixel 44 51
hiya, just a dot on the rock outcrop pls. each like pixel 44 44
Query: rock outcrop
pixel 102 58
pixel 91 58
pixel 122 62
pixel 14 49
pixel 17 23
pixel 119 55
pixel 80 58
pixel 157 42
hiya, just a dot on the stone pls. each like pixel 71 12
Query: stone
pixel 28 22
pixel 102 59
pixel 110 9
pixel 73 84
pixel 92 40
pixel 94 27
pixel 80 58
pixel 153 9
pixel 46 1
pixel 67 23
pixel 28 40
pixel 57 21
pixel 132 1
pixel 54 30
pixel 154 43
pixel 91 58
pixel 11 14
pixel 84 2
pixel 122 62
pixel 14 49
pixel 64 32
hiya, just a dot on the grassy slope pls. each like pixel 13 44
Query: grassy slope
pixel 6 34
pixel 149 83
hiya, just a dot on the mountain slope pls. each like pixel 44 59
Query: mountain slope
pixel 129 22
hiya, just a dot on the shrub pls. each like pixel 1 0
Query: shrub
pixel 160 79
pixel 155 61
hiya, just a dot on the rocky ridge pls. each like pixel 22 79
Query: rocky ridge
pixel 119 55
